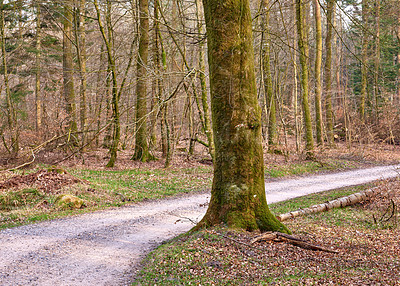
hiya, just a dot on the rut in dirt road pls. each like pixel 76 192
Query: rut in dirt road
pixel 102 248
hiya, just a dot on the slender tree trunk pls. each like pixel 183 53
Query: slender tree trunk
pixel 317 71
pixel 238 192
pixel 156 82
pixel 114 91
pixel 81 55
pixel 268 90
pixel 303 46
pixel 68 69
pixel 38 95
pixel 398 52
pixel 11 111
pixel 377 57
pixel 141 146
pixel 364 51
pixel 328 69
pixel 204 95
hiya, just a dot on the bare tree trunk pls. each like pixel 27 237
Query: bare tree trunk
pixel 268 90
pixel 303 46
pixel 38 94
pixel 114 91
pixel 141 146
pixel 68 69
pixel 317 71
pixel 238 192
pixel 364 51
pixel 204 95
pixel 80 35
pixel 11 112
pixel 398 51
pixel 328 69
pixel 377 58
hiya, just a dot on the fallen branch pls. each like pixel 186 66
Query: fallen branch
pixel 283 237
pixel 338 203
pixel 25 164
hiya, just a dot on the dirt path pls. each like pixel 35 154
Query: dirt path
pixel 102 248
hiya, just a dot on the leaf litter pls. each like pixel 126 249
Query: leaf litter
pixel 368 251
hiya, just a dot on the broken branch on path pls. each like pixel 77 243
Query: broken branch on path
pixel 338 203
pixel 283 237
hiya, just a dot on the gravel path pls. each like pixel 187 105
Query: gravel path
pixel 102 248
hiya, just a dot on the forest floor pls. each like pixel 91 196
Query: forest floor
pixel 365 237
pixel 104 239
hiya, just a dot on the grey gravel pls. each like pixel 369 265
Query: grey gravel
pixel 105 247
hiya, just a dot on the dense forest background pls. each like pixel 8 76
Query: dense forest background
pixel 87 74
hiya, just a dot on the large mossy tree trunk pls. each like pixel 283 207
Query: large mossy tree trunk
pixel 141 147
pixel 238 191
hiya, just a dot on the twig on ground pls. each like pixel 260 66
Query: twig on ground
pixel 283 237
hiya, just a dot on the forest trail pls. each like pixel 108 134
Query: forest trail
pixel 104 248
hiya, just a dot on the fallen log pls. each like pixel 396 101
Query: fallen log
pixel 338 203
pixel 283 237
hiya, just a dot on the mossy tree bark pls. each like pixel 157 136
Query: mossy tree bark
pixel 330 14
pixel 317 71
pixel 141 147
pixel 68 68
pixel 238 192
pixel 303 47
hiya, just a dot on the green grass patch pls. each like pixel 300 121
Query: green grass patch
pixel 308 167
pixel 100 189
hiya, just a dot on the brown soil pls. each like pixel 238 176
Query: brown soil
pixel 48 181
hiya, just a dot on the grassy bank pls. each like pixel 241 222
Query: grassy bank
pixel 26 199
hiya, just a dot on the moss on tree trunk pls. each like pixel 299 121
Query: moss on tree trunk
pixel 141 146
pixel 238 192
